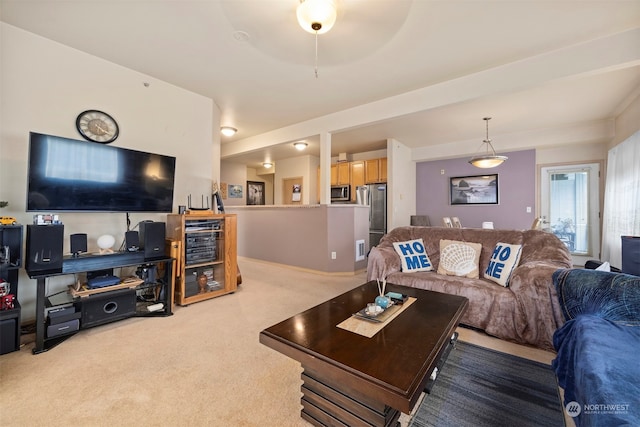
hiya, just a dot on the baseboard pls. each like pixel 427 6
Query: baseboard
pixel 306 270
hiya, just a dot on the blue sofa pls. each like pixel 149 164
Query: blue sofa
pixel 598 360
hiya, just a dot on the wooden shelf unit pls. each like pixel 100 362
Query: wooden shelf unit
pixel 209 249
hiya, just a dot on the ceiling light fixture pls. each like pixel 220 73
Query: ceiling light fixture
pixel 267 165
pixel 316 17
pixel 228 130
pixel 300 145
pixel 490 159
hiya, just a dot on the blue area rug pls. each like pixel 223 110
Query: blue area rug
pixel 481 387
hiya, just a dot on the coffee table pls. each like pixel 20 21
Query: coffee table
pixel 353 380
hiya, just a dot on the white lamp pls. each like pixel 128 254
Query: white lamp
pixel 316 16
pixel 300 146
pixel 490 159
pixel 105 243
pixel 267 165
pixel 228 130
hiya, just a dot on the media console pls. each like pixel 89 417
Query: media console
pixel 82 309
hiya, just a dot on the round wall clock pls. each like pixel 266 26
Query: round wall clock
pixel 97 126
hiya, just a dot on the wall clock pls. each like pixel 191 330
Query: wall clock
pixel 97 126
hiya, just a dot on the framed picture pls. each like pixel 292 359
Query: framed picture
pixel 474 190
pixel 255 193
pixel 235 191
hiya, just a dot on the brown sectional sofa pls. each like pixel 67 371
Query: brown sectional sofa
pixel 526 312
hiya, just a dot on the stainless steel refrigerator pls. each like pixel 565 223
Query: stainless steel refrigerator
pixel 376 197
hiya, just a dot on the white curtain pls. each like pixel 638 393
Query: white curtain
pixel 621 199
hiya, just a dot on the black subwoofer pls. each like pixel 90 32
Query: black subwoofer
pixel 108 307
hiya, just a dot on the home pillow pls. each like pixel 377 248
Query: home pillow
pixel 459 258
pixel 413 255
pixel 504 260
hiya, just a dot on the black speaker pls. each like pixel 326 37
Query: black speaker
pixel 108 307
pixel 44 249
pixel 631 255
pixel 132 241
pixel 78 243
pixel 8 340
pixel 152 235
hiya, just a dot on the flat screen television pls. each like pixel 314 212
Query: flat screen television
pixel 79 176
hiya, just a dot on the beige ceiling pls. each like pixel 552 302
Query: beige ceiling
pixel 257 64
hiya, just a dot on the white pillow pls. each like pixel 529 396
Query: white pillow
pixel 413 255
pixel 504 260
pixel 459 258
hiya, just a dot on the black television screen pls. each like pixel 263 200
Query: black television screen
pixel 70 175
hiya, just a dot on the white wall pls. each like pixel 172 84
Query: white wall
pixel 401 187
pixel 628 122
pixel 45 85
pixel 234 174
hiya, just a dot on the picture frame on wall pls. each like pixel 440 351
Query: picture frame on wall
pixel 255 193
pixel 235 191
pixel 474 190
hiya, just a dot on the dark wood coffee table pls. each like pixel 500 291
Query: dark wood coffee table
pixel 353 380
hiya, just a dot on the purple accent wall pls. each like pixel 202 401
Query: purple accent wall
pixel 516 187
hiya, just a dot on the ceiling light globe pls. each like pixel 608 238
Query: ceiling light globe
pixel 300 145
pixel 313 12
pixel 267 165
pixel 228 130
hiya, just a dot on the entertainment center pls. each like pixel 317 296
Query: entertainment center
pixel 80 309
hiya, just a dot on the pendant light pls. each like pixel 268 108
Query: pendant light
pixel 490 159
pixel 316 17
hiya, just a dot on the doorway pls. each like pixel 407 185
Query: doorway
pixel 570 208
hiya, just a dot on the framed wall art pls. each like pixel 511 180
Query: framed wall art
pixel 255 193
pixel 235 191
pixel 474 190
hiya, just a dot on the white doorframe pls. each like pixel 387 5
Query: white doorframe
pixel 583 235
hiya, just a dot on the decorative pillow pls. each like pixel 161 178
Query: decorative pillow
pixel 504 260
pixel 413 255
pixel 459 258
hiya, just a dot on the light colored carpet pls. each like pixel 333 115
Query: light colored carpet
pixel 203 366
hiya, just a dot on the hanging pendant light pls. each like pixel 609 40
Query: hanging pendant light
pixel 490 159
pixel 316 17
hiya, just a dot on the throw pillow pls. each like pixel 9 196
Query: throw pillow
pixel 459 258
pixel 413 255
pixel 504 260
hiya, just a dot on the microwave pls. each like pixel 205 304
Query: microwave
pixel 340 193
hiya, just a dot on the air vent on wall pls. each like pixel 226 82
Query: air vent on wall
pixel 360 250
pixel 344 157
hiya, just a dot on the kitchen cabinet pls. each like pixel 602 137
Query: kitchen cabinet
pixel 357 177
pixel 340 173
pixel 375 170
